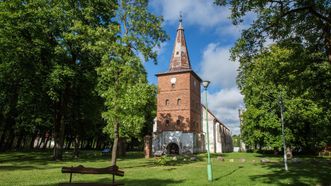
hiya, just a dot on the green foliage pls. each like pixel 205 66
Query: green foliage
pixel 124 87
pixel 236 140
pixel 122 78
pixel 307 21
pixel 50 54
pixel 296 69
pixel 162 161
pixel 286 71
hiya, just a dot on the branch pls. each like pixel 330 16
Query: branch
pixel 314 12
pixel 311 10
pixel 296 10
pixel 126 31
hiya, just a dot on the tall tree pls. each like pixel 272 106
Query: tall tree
pixel 286 70
pixel 122 78
pixel 50 51
pixel 52 46
pixel 23 67
pixel 309 20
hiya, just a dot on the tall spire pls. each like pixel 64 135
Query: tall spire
pixel 180 59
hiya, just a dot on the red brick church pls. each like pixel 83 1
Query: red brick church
pixel 179 125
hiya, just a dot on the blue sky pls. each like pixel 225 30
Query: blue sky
pixel 209 36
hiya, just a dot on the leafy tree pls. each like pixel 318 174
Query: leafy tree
pixel 309 21
pixel 286 70
pixel 22 69
pixel 122 78
pixel 53 48
pixel 51 52
pixel 236 140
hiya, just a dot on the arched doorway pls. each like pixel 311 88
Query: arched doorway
pixel 172 148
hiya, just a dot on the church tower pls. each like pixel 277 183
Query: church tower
pixel 177 128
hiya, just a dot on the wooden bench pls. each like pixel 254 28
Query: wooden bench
pixel 89 170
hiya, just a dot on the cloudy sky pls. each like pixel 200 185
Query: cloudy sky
pixel 209 36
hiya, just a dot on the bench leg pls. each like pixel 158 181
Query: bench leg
pixel 70 177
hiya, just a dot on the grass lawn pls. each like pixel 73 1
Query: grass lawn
pixel 36 168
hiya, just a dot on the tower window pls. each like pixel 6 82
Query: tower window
pixel 167 102
pixel 178 122
pixel 179 101
pixel 177 53
pixel 173 85
pixel 167 122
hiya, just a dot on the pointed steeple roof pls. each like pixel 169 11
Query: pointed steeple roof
pixel 180 59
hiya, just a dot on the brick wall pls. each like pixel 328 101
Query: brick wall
pixel 178 106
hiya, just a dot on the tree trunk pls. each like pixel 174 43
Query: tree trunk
pixel 69 143
pixel 51 139
pixel 19 141
pixel 93 144
pixel 10 140
pixel 114 148
pixel 58 134
pixel 47 136
pixel 81 144
pixel 32 140
pixel 98 145
pixel 76 147
pixel 289 153
pixel 42 139
pixel 59 125
pixel 25 142
pixel 3 137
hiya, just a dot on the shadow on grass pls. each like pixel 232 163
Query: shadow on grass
pixel 37 157
pixel 228 174
pixel 145 164
pixel 133 182
pixel 306 172
pixel 150 181
pixel 23 167
pixel 43 157
pixel 12 168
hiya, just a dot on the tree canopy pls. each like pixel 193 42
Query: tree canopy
pixel 63 63
pixel 307 21
pixel 296 69
pixel 287 72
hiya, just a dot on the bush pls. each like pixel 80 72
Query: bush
pixel 162 160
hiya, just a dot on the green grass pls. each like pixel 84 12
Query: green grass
pixel 37 168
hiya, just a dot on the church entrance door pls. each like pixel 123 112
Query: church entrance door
pixel 172 148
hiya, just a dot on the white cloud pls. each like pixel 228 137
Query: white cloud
pixel 202 13
pixel 224 105
pixel 198 12
pixel 217 67
pixel 229 30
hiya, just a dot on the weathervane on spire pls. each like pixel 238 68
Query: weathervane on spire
pixel 180 26
pixel 180 16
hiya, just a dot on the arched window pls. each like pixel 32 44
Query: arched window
pixel 178 122
pixel 167 102
pixel 167 122
pixel 179 102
